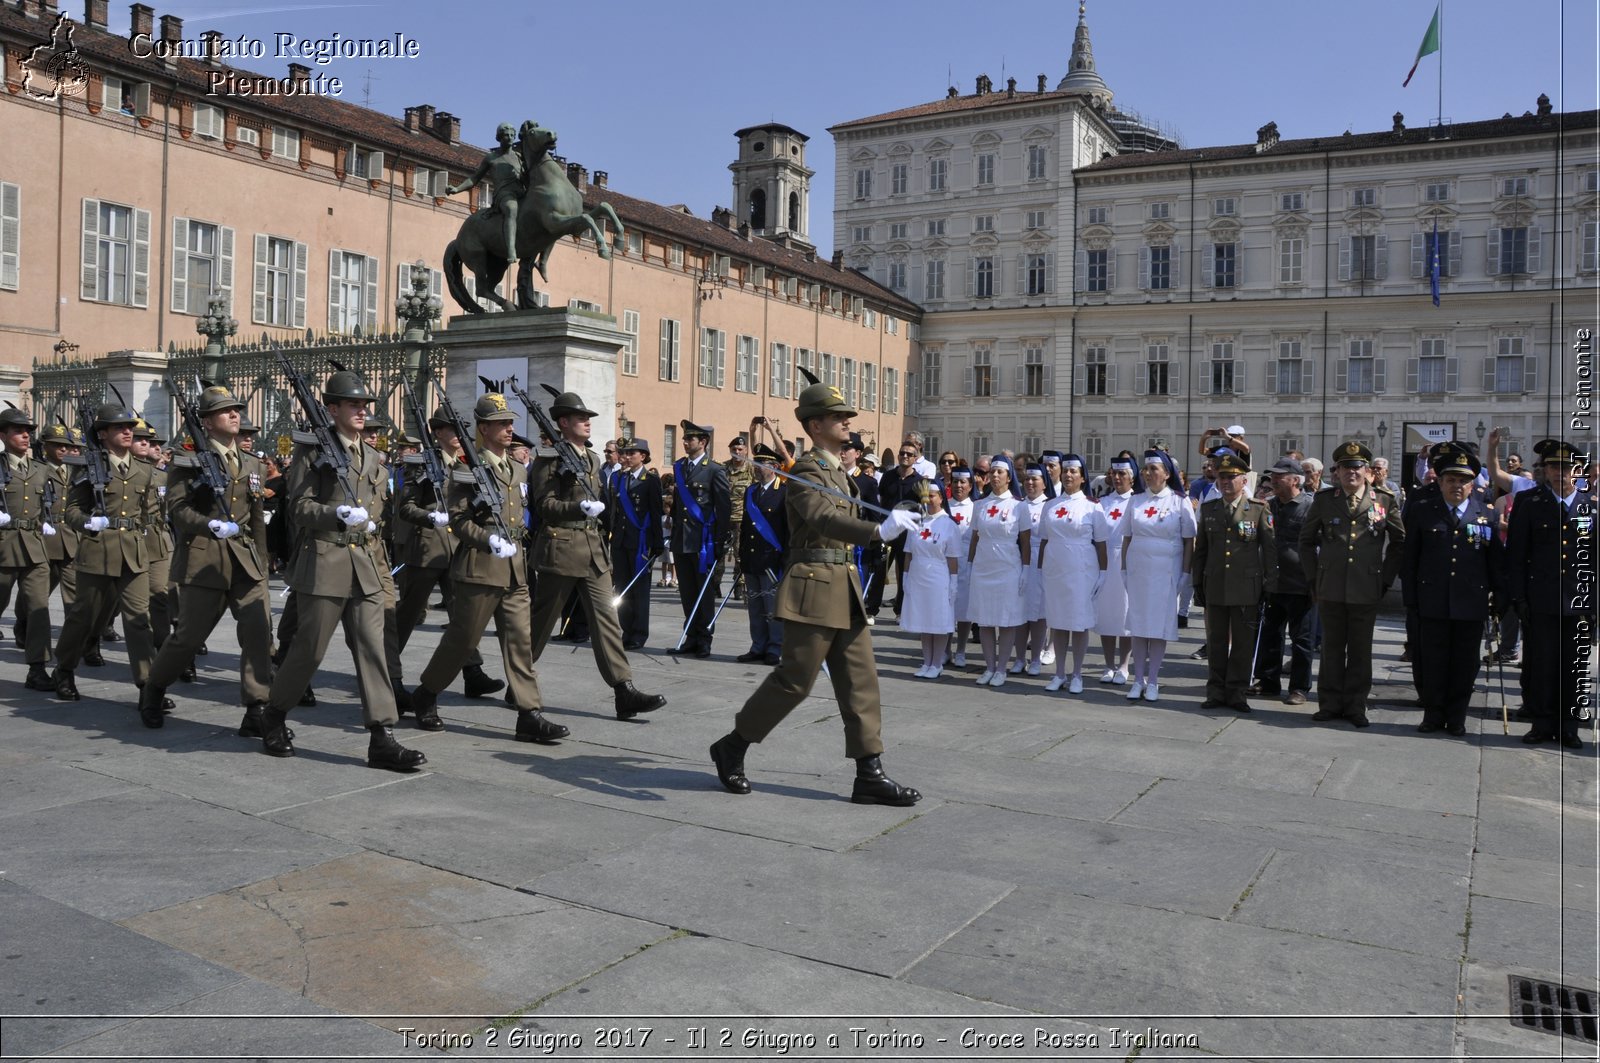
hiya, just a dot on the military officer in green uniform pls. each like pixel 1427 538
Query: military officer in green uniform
pixel 337 570
pixel 221 563
pixel 62 547
pixel 1351 546
pixel 24 528
pixel 113 556
pixel 489 580
pixel 570 553
pixel 741 474
pixel 157 537
pixel 824 615
pixel 1235 567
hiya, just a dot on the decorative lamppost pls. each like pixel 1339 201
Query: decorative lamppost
pixel 216 326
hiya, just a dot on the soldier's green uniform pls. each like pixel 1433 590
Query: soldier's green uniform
pixel 1350 547
pixel 1235 567
pixel 741 474
pixel 159 544
pixel 62 547
pixel 24 561
pixel 113 560
pixel 825 620
pixel 570 553
pixel 221 564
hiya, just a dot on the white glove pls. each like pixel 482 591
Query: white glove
pixel 5 519
pixel 1099 581
pixel 266 516
pixel 371 527
pixel 897 523
pixel 591 508
pixel 351 515
pixel 97 524
pixel 439 517
pixel 223 529
pixel 955 588
pixel 47 528
pixel 501 548
pixel 1022 583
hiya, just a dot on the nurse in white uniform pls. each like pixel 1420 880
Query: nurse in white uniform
pixel 1072 565
pixel 1001 538
pixel 1111 605
pixel 960 511
pixel 1158 541
pixel 928 605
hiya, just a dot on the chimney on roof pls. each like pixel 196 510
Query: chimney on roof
pixel 838 260
pixel 576 174
pixel 1011 87
pixel 722 216
pixel 425 117
pixel 95 13
pixel 952 93
pixel 744 230
pixel 1399 123
pixel 411 119
pixel 300 77
pixel 213 46
pixel 171 29
pixel 447 127
pixel 1041 83
pixel 143 21
pixel 1267 137
pixel 985 86
pixel 47 8
pixel 600 178
pixel 1544 104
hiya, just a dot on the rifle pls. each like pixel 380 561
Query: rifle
pixel 432 458
pixel 212 475
pixel 487 502
pixel 566 453
pixel 94 455
pixel 331 454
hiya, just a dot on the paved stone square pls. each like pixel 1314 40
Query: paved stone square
pixel 1081 870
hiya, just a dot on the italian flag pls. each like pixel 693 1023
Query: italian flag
pixel 1430 44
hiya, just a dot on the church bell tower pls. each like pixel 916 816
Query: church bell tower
pixel 771 185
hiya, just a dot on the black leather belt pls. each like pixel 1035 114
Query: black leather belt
pixel 570 526
pixel 821 557
pixel 22 525
pixel 125 524
pixel 346 538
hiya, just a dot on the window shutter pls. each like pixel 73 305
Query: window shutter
pixel 1271 380
pixel 1175 375
pixel 1344 258
pixel 225 263
pixel 1308 376
pixel 972 282
pixel 1208 264
pixel 91 248
pixel 916 279
pixel 301 254
pixel 967 387
pixel 1050 271
pixel 141 258
pixel 1535 248
pixel 1175 257
pixel 1141 377
pixel 141 99
pixel 180 265
pixel 1380 375
pixel 402 280
pixel 1452 375
pixel 1019 383
pixel 1238 264
pixel 1144 268
pixel 1241 371
pixel 1381 253
pixel 1530 375
pixel 1079 372
pixel 369 311
pixel 1111 269
pixel 1453 265
pixel 1492 258
pixel 722 358
pixel 1341 375
pixel 1411 376
pixel 1049 380
pixel 335 289
pixel 1488 374
pixel 1419 255
pixel 258 282
pixel 375 166
pixel 1204 385
pixel 10 235
pixel 1080 271
pixel 1111 379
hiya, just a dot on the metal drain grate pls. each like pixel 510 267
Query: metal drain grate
pixel 1551 1008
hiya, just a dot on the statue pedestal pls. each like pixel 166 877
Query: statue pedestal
pixel 141 378
pixel 571 350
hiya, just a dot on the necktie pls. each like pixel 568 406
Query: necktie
pixel 233 463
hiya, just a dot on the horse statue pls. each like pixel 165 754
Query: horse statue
pixel 548 209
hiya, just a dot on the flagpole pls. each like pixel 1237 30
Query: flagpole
pixel 1441 68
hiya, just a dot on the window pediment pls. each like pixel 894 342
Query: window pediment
pixel 936 243
pixel 1446 215
pixel 898 248
pixel 1036 243
pixel 937 146
pixel 1160 231
pixel 985 139
pixel 1224 229
pixel 1096 232
pixel 1363 216
pixel 1038 133
pixel 900 149
pixel 984 242
pixel 863 155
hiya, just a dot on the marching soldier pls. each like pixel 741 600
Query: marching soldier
pixel 763 537
pixel 823 611
pixel 113 557
pixel 338 573
pixel 701 510
pixel 570 554
pixel 426 547
pixel 1350 548
pixel 489 580
pixel 636 538
pixel 222 563
pixel 62 547
pixel 157 537
pixel 1448 571
pixel 1550 576
pixel 1235 568
pixel 24 528
pixel 741 474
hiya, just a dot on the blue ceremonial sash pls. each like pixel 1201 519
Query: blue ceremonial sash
pixel 758 519
pixel 686 497
pixel 619 484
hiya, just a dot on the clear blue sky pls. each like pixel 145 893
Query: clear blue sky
pixel 652 92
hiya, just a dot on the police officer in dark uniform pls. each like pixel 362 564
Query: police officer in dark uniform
pixel 1449 569
pixel 1235 568
pixel 1289 606
pixel 701 511
pixel 1550 577
pixel 824 615
pixel 24 527
pixel 1350 550
pixel 763 537
pixel 636 539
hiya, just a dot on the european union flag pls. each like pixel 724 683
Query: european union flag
pixel 1433 262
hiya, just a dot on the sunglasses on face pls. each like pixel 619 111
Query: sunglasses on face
pixel 908 453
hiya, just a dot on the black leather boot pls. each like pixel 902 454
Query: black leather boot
pixel 402 697
pixel 309 698
pixel 533 727
pixel 110 634
pixel 384 752
pixel 92 657
pixel 631 701
pixel 873 787
pixel 276 738
pixel 164 703
pixel 188 673
pixel 66 689
pixel 476 683
pixel 39 678
pixel 425 703
pixel 727 753
pixel 250 726
pixel 150 713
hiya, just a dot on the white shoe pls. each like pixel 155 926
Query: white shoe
pixel 1135 691
pixel 1152 692
pixel 1110 676
pixel 1055 682
pixel 988 674
pixel 1048 656
pixel 921 673
pixel 959 660
pixel 999 680
pixel 935 672
pixel 1121 677
pixel 1033 668
pixel 1076 686
pixel 1016 666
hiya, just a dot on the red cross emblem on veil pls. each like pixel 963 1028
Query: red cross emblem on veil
pixel 1151 512
pixel 993 510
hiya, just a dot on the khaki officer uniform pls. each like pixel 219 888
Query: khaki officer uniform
pixel 24 562
pixel 62 547
pixel 217 575
pixel 1351 549
pixel 113 565
pixel 740 476
pixel 159 545
pixel 1235 567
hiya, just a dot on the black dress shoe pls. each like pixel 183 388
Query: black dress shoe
pixel 1200 654
pixel 873 787
pixel 92 658
pixel 633 644
pixel 252 726
pixel 746 658
pixel 402 697
pixel 110 635
pixel 727 753
pixel 1212 703
pixel 385 753
pixel 1524 715
pixel 1571 742
pixel 425 703
pixel 1456 730
pixel 188 674
pixel 66 689
pixel 150 713
pixel 679 651
pixel 309 698
pixel 1360 720
pixel 1533 738
pixel 1429 728
pixel 1183 621
pixel 1324 715
pixel 276 738
pixel 703 651
pixel 476 683
pixel 39 678
pixel 533 727
pixel 203 650
pixel 772 659
pixel 631 702
pixel 1239 706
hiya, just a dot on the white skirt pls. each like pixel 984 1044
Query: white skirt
pixel 925 608
pixel 1154 566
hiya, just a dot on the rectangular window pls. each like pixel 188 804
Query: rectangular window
pixel 936 227
pixel 938 172
pixel 983 278
pixel 285 142
pixel 934 281
pixel 780 377
pixel 1034 221
pixel 891 390
pixel 352 293
pixel 847 379
pixel 1035 373
pixel 1292 202
pixel 804 358
pixel 115 253
pixel 364 162
pixel 202 262
pixel 1513 241
pixel 1513 372
pixel 1291 368
pixel 1098 271
pixel 671 335
pixel 983 223
pixel 630 350
pixel 747 364
pixel 1094 456
pixel 869 319
pixel 1158 369
pixel 1291 260
pixel 1223 371
pixel 985 168
pixel 1513 187
pixel 897 276
pixel 1422 248
pixel 861 234
pixel 1438 192
pixel 980 445
pixel 636 244
pixel 246 135
pixel 280 282
pixel 899 176
pixel 1591 181
pixel 1589 247
pixel 114 278
pixel 713 357
pixel 1160 211
pixel 1096 372
pixel 863 184
pixel 1097 216
pixel 1224 265
pixel 1038 160
pixel 830 369
pixel 1363 197
pixel 891 324
pixel 1360 378
pixel 1363 258
pixel 669 444
pixel 897 230
pixel 932 371
pixel 675 256
pixel 869 386
pixel 1225 207
pixel 208 121
pixel 982 372
pixel 10 236
pixel 1160 268
pixel 1432 364
pixel 1038 270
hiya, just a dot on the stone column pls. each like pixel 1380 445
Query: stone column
pixel 140 376
pixel 11 378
